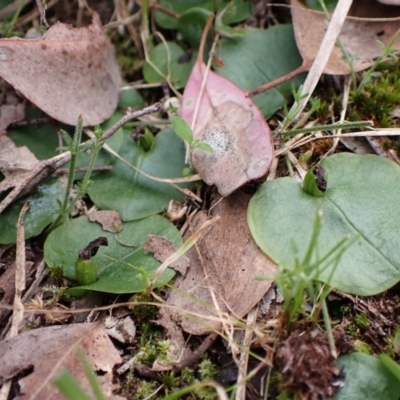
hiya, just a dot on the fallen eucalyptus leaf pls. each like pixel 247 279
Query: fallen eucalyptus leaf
pixel 76 68
pixel 222 117
pixel 228 265
pixel 360 201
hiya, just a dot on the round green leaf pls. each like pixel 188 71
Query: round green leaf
pixel 361 201
pixel 265 54
pixel 133 195
pixel 123 266
pixel 166 57
pixel 366 379
pixel 43 209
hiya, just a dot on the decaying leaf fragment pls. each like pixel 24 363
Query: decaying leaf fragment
pixel 367 22
pixel 52 348
pixel 76 69
pixel 224 261
pixel 230 123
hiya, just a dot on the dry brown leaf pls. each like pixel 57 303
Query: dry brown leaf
pixel 162 249
pixel 225 260
pixel 67 72
pixel 108 219
pixel 15 162
pixel 358 36
pixel 52 348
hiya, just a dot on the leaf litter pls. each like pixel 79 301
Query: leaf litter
pixel 203 253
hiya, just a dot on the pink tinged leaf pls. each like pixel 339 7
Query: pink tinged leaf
pixel 230 123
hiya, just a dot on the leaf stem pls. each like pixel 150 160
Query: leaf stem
pixel 71 172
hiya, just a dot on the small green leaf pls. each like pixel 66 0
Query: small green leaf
pixel 182 129
pixel 146 140
pixel 315 181
pixel 69 386
pixel 85 271
pixel 67 139
pixel 205 147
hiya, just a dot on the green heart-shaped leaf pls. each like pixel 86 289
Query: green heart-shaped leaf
pixel 366 378
pixel 133 195
pixel 361 200
pixel 123 266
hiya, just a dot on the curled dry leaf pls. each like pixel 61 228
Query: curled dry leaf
pixel 367 23
pixel 76 68
pixel 230 123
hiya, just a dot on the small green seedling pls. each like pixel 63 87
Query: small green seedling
pixel 185 132
pixel 76 148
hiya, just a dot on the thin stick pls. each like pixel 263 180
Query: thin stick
pixel 194 357
pixel 18 314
